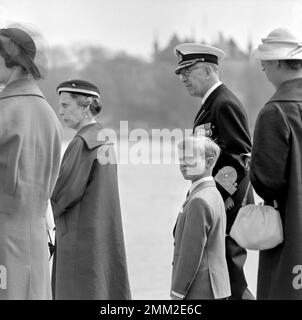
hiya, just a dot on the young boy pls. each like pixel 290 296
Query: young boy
pixel 199 264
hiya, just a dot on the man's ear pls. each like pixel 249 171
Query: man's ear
pixel 210 162
pixel 208 71
pixel 205 72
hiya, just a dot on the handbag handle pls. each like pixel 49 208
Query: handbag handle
pixel 275 204
pixel 246 194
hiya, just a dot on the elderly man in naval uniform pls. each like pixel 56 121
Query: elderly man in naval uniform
pixel 223 118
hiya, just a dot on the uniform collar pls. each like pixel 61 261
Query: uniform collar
pixel 91 135
pixel 204 98
pixel 205 107
pixel 20 87
pixel 290 90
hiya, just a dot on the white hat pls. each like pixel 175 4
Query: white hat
pixel 191 53
pixel 280 44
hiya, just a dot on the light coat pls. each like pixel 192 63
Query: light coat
pixel 30 146
pixel 199 264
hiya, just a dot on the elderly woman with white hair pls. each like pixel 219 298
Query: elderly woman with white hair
pixel 276 164
pixel 90 258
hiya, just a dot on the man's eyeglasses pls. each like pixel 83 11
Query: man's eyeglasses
pixel 185 73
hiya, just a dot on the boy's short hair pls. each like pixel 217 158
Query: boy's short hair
pixel 203 146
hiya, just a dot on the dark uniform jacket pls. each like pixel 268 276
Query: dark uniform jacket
pixel 276 174
pixel 90 258
pixel 224 120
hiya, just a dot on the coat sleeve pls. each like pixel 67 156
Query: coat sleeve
pixel 270 153
pixel 197 225
pixel 234 138
pixel 57 146
pixel 73 178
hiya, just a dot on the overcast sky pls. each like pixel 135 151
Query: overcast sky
pixel 131 25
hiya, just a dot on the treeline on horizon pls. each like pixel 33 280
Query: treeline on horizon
pixel 147 93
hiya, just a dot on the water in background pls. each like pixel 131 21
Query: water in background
pixel 151 196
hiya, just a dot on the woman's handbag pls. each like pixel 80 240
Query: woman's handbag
pixel 257 227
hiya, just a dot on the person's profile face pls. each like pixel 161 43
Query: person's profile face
pixel 194 79
pixel 271 71
pixel 191 162
pixel 70 112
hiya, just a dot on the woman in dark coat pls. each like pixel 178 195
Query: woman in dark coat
pixel 30 147
pixel 90 259
pixel 276 164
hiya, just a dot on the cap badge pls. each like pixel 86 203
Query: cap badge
pixel 179 56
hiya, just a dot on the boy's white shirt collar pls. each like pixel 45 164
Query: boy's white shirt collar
pixel 197 182
pixel 216 85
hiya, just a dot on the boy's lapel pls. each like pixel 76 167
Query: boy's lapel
pixel 202 185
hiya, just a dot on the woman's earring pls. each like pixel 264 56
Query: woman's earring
pixel 85 115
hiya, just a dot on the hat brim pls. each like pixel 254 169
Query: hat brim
pixel 78 90
pixel 276 54
pixel 185 65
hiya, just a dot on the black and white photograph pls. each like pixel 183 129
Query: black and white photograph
pixel 151 150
